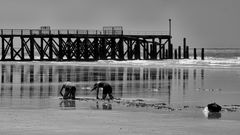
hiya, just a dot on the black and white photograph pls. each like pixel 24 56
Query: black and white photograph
pixel 119 67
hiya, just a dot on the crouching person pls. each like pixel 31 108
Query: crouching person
pixel 107 90
pixel 70 90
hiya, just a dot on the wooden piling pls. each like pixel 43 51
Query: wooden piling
pixel 103 49
pixel 154 51
pixel 96 49
pixel 3 49
pixel 151 52
pixel 184 48
pixel 202 56
pixel 187 52
pixel 50 41
pixel 129 50
pixel 22 47
pixel 41 46
pixel 145 51
pixel 175 54
pixel 137 50
pixel 31 48
pixel 60 55
pixel 11 47
pixel 78 49
pixel 121 49
pixel 179 52
pixel 113 48
pixel 170 53
pixel 164 52
pixel 195 53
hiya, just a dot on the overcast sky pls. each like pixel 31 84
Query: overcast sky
pixel 205 23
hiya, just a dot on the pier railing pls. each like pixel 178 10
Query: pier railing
pixel 21 32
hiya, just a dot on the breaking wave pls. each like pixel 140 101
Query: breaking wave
pixel 210 62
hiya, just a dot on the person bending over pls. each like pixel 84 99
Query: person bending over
pixel 107 90
pixel 70 90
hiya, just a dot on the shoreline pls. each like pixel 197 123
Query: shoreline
pixel 153 105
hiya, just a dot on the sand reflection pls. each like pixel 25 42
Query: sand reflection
pixel 44 81
pixel 67 104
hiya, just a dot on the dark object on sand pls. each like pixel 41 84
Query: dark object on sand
pixel 70 91
pixel 107 89
pixel 213 107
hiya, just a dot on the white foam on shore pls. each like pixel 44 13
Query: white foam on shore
pixel 210 62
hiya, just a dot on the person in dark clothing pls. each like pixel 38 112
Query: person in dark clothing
pixel 70 91
pixel 107 90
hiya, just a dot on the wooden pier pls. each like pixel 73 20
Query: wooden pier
pixel 83 45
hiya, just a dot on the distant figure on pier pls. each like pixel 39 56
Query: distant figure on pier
pixel 107 89
pixel 70 90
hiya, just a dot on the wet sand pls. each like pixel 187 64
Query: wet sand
pixel 86 117
pixel 151 100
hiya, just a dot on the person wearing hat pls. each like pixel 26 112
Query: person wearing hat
pixel 70 90
pixel 107 89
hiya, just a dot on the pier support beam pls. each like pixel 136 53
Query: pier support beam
pixel 170 49
pixel 96 49
pixel 31 48
pixel 86 49
pixel 113 48
pixel 50 43
pixel 129 49
pixel 3 49
pixel 103 50
pixel 160 48
pixel 137 50
pixel 41 49
pixel 78 49
pixel 60 52
pixel 121 49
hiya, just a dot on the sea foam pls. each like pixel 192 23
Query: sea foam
pixel 211 62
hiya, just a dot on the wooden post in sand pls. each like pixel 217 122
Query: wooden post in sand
pixel 175 54
pixel 195 53
pixel 202 54
pixel 179 52
pixel 184 48
pixel 187 52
